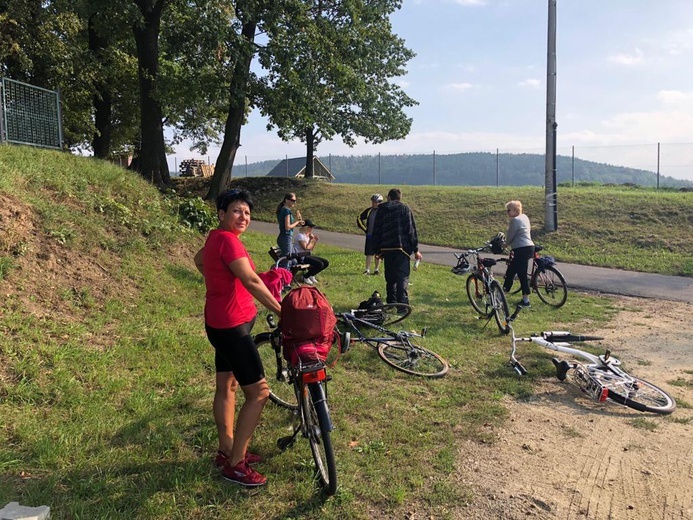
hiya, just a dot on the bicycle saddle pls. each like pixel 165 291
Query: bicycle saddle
pixel 489 262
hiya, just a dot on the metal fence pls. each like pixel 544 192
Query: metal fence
pixel 30 115
pixel 655 165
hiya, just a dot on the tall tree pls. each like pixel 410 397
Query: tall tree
pixel 330 72
pixel 151 161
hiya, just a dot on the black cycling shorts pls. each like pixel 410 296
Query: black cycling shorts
pixel 235 351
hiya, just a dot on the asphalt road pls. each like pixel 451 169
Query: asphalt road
pixel 598 279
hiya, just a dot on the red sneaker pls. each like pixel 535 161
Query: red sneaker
pixel 243 474
pixel 221 459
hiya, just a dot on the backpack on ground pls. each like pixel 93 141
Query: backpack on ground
pixel 374 301
pixel 308 325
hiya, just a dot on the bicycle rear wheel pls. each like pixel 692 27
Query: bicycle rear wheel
pixel 385 314
pixel 635 393
pixel 318 427
pixel 550 286
pixel 476 292
pixel 500 307
pixel 281 392
pixel 412 359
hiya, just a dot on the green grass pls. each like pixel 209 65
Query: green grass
pixel 106 388
pixel 610 226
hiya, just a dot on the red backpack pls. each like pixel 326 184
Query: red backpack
pixel 307 324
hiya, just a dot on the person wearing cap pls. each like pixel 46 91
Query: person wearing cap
pixel 365 222
pixel 395 239
pixel 305 243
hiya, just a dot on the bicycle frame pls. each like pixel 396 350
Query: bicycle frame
pixel 599 376
pixel 490 295
pixel 352 321
pixel 396 348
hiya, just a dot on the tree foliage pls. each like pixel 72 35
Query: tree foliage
pixel 330 70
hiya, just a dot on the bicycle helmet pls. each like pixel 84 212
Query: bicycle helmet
pixel 377 197
pixel 497 243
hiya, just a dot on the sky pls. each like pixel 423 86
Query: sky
pixel 624 81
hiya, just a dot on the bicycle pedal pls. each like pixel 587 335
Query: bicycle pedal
pixel 562 368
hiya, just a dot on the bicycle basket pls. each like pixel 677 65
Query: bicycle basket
pixel 544 262
pixel 462 266
pixel 497 243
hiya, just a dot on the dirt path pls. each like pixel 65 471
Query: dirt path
pixel 562 456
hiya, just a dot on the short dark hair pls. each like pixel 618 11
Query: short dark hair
pixel 394 194
pixel 229 196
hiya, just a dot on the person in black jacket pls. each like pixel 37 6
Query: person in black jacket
pixel 395 239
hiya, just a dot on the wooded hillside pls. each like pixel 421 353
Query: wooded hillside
pixel 471 169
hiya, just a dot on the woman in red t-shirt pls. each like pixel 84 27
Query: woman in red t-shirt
pixel 230 312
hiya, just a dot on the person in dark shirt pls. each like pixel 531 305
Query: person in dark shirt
pixel 395 239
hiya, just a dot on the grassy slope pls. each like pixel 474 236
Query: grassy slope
pixel 106 376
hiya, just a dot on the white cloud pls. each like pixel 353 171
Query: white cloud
pixel 531 82
pixel 678 43
pixel 472 3
pixel 674 96
pixel 460 87
pixel 627 60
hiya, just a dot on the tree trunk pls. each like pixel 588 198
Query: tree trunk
pixel 310 151
pixel 101 142
pixel 234 121
pixel 152 158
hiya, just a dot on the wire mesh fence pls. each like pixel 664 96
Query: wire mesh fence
pixel 29 115
pixel 655 165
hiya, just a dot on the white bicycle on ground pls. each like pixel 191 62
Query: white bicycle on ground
pixel 601 377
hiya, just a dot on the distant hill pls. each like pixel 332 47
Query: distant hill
pixel 471 169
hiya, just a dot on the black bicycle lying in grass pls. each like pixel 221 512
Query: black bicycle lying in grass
pixel 395 348
pixel 301 388
pixel 600 377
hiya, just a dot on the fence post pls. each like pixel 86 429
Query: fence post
pixel 379 170
pixel 246 166
pixel 658 155
pixel 286 158
pixel 434 167
pixel 572 168
pixel 497 169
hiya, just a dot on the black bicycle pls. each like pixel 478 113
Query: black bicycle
pixel 483 290
pixel 395 348
pixel 301 388
pixel 545 279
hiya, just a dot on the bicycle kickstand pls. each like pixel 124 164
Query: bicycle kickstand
pixel 285 442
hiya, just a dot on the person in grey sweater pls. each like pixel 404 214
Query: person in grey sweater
pixel 519 239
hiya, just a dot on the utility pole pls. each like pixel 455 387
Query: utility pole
pixel 551 202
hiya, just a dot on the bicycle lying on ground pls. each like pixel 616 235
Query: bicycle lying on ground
pixel 301 388
pixel 545 279
pixel 484 291
pixel 600 377
pixel 395 348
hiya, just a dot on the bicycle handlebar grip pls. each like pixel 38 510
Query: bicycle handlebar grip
pixel 568 337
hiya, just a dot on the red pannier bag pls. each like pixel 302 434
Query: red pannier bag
pixel 307 324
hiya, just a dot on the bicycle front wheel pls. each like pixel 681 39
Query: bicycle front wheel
pixel 318 427
pixel 281 392
pixel 500 307
pixel 385 314
pixel 550 286
pixel 635 393
pixel 412 359
pixel 476 292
